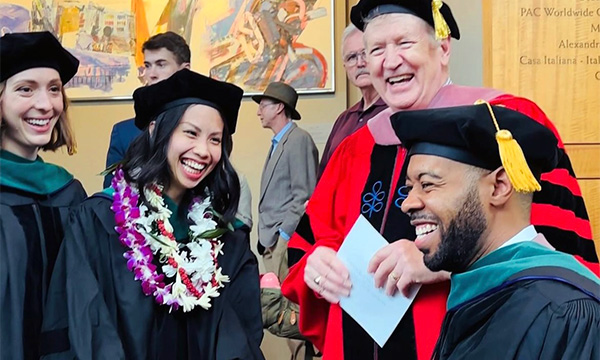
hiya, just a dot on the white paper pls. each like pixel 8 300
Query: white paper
pixel 377 313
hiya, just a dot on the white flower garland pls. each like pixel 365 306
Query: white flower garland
pixel 194 266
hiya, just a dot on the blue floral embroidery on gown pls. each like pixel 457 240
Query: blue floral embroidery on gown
pixel 373 200
pixel 402 195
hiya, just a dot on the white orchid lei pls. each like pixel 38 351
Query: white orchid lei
pixel 193 267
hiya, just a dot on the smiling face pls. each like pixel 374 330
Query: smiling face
pixel 194 149
pixel 31 105
pixel 446 210
pixel 407 65
pixel 355 63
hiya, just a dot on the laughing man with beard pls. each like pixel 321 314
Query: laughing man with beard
pixel 512 295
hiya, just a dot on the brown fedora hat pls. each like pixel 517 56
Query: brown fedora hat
pixel 281 92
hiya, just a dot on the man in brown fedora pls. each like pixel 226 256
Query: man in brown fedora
pixel 288 179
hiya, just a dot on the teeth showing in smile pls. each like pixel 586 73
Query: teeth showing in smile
pixel 422 230
pixel 38 122
pixel 398 79
pixel 192 166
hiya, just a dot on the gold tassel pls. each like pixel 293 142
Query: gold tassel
pixel 512 158
pixel 442 30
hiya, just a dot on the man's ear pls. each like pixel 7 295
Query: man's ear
pixel 185 65
pixel 503 188
pixel 280 108
pixel 445 48
pixel 151 127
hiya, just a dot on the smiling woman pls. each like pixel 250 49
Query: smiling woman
pixel 195 148
pixel 35 196
pixel 194 291
pixel 32 104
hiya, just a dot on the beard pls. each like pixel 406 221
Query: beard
pixel 460 241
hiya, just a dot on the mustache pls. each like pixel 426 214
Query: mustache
pixel 422 216
pixel 362 72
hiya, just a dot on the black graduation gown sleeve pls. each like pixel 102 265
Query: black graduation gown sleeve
pixel 244 324
pixel 79 323
pixel 99 311
pixel 569 331
pixel 542 319
pixel 31 232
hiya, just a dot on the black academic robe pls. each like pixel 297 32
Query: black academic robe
pixel 99 311
pixel 31 231
pixel 540 313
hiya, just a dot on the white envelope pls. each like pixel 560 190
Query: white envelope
pixel 377 313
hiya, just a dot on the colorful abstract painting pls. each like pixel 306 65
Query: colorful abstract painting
pixel 248 42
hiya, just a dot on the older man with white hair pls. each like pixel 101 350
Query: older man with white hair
pixel 370 104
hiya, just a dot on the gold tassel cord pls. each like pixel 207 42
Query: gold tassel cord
pixel 512 158
pixel 442 30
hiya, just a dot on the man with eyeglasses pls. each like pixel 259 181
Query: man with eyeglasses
pixel 288 179
pixel 355 64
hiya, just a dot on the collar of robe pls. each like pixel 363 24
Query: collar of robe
pixel 500 266
pixel 178 221
pixel 32 176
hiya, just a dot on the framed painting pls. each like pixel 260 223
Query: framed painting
pixel 247 42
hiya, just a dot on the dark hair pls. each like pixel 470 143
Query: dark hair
pixel 146 162
pixel 172 42
pixel 288 111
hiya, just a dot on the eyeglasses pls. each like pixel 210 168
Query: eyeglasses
pixel 352 58
pixel 264 105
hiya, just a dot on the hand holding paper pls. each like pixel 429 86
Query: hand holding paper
pixel 400 265
pixel 377 312
pixel 327 275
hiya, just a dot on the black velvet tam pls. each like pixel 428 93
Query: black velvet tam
pixel 467 134
pixel 24 51
pixel 187 87
pixel 421 8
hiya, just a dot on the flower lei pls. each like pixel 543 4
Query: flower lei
pixel 194 266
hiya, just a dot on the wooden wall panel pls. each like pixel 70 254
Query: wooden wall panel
pixel 548 51
pixel 585 160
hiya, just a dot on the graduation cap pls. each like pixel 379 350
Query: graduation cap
pixel 436 13
pixel 187 87
pixel 24 51
pixel 484 136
